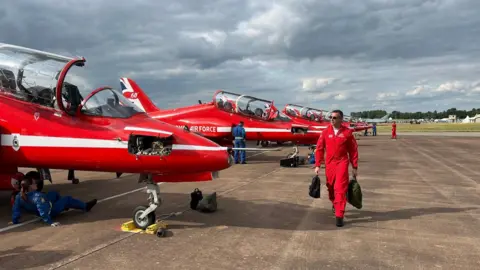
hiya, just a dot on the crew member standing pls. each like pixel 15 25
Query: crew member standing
pixel 341 149
pixel 374 129
pixel 239 142
pixel 394 130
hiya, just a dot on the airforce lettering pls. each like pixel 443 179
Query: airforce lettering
pixel 201 128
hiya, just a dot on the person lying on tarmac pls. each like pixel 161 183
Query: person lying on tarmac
pixel 47 207
pixel 36 177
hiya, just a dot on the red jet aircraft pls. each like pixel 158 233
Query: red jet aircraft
pixel 310 116
pixel 50 118
pixel 215 119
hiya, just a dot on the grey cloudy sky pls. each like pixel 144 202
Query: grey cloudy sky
pixel 353 55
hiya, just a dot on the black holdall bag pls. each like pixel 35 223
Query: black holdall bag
pixel 196 196
pixel 314 190
pixel 354 193
pixel 208 204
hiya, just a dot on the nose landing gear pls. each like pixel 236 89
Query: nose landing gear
pixel 144 216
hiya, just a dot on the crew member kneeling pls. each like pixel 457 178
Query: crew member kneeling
pixel 47 206
pixel 341 149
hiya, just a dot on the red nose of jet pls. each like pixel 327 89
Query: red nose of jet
pixel 202 154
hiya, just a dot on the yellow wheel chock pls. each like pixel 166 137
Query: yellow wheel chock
pixel 159 228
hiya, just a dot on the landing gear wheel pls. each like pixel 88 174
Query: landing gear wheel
pixel 75 181
pixel 162 232
pixel 145 222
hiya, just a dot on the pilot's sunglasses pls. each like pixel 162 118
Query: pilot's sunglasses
pixel 334 117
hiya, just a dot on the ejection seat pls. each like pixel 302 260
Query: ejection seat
pixel 7 80
pixel 72 96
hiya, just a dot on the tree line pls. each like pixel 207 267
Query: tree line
pixel 417 115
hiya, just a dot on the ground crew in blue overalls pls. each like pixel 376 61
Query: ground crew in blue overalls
pixel 239 142
pixel 47 206
pixel 374 129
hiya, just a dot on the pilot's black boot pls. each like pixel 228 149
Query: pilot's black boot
pixel 339 221
pixel 91 204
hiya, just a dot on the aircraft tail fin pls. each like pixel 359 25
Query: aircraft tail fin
pixel 135 94
pixel 386 116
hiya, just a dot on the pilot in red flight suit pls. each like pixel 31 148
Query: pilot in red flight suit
pixel 341 147
pixel 394 130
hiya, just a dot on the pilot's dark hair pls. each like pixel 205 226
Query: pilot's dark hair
pixel 33 175
pixel 241 122
pixel 339 112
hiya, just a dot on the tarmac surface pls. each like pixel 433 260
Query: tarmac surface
pixel 420 211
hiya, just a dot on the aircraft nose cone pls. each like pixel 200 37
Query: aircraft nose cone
pixel 222 158
pixel 213 156
pixel 230 159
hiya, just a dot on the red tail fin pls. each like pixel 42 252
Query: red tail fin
pixel 135 94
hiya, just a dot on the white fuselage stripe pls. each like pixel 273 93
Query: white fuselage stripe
pixel 148 130
pixel 267 130
pixel 248 129
pixel 224 129
pixel 7 140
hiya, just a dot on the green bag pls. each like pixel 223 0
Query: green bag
pixel 208 204
pixel 354 193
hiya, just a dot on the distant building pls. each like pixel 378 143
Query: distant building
pixel 474 119
pixel 452 118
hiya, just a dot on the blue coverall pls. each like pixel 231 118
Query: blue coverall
pixel 44 205
pixel 312 158
pixel 239 139
pixel 374 130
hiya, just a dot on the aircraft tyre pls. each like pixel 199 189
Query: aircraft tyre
pixel 145 222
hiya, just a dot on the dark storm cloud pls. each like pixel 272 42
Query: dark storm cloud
pixel 348 54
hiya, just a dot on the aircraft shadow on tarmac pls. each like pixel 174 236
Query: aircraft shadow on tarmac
pixel 251 213
pixel 265 159
pixel 15 258
pixel 255 214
